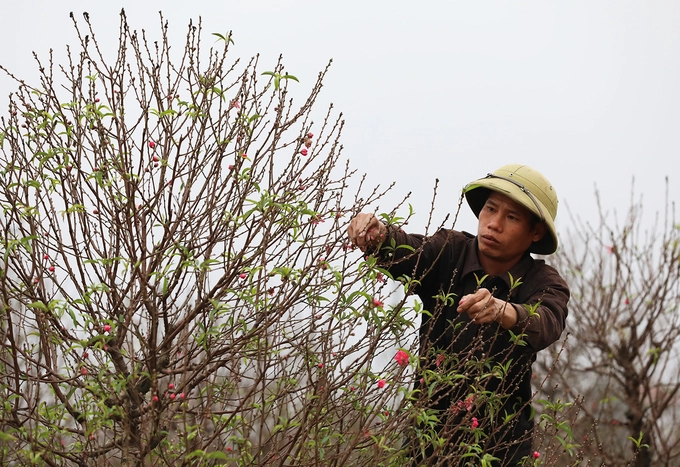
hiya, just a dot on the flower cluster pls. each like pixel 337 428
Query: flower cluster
pixel 466 405
pixel 401 357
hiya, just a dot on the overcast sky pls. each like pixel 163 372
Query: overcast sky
pixel 588 92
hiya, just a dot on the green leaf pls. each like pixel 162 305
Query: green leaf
pixel 225 38
pixel 6 437
pixel 39 305
pixel 197 453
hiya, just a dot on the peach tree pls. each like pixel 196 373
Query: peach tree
pixel 177 287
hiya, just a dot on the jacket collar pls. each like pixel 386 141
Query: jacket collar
pixel 472 265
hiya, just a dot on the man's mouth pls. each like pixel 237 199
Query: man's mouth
pixel 490 239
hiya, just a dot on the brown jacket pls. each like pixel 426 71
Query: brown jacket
pixel 446 267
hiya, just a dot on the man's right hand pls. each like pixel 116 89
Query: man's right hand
pixel 366 231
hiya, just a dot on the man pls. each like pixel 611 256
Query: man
pixel 489 308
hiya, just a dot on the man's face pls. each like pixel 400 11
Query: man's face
pixel 505 231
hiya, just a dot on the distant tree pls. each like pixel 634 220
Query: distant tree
pixel 621 356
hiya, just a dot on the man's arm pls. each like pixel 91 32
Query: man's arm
pixel 544 321
pixel 398 252
pixel 541 320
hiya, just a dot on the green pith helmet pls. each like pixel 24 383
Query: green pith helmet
pixel 526 186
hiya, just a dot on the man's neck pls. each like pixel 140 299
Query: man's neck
pixel 497 268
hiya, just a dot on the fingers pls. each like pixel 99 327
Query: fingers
pixel 479 306
pixel 365 230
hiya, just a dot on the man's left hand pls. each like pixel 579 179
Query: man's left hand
pixel 484 308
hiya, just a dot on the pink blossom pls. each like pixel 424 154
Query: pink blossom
pixel 537 454
pixel 152 144
pixel 610 249
pixel 440 360
pixel 231 166
pixel 401 357
pixel 107 327
pixel 381 383
pixel 243 275
pixel 377 302
pixel 475 422
pixel 469 402
pixel 310 135
pixel 303 151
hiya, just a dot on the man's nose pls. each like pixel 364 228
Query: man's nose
pixel 495 223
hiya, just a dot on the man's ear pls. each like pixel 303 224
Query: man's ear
pixel 538 231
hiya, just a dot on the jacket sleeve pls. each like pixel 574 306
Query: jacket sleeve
pixel 544 324
pixel 411 255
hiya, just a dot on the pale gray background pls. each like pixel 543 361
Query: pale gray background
pixel 585 91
